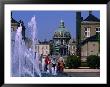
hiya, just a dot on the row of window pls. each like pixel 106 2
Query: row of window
pixel 87 31
pixel 44 49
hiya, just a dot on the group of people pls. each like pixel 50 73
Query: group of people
pixel 52 65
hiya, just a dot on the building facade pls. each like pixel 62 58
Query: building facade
pixel 72 47
pixel 89 36
pixel 61 40
pixel 15 24
pixel 90 26
pixel 90 46
pixel 43 49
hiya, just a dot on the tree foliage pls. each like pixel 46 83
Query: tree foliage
pixel 93 61
pixel 73 62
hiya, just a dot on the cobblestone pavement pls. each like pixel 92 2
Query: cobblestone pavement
pixel 82 72
pixel 75 73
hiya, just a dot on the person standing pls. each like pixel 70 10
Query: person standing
pixel 43 64
pixel 60 64
pixel 47 62
pixel 54 68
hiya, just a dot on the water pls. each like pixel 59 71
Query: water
pixel 25 61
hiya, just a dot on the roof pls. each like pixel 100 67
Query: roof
pixel 90 39
pixel 62 31
pixel 13 20
pixel 91 17
pixel 62 27
pixel 43 42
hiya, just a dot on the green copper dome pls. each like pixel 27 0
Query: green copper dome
pixel 62 32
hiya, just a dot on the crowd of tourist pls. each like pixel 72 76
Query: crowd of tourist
pixel 52 64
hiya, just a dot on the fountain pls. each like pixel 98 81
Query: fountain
pixel 25 62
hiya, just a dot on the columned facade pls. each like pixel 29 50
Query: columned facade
pixel 61 40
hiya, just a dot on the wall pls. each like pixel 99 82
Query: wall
pixel 92 25
pixel 90 48
pixel 43 49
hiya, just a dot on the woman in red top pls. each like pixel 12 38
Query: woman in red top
pixel 47 62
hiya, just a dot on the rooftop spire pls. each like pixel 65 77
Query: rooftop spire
pixel 11 14
pixel 62 24
pixel 90 12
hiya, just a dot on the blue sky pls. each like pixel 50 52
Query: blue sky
pixel 48 21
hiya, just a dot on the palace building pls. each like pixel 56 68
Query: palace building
pixel 61 42
pixel 43 48
pixel 88 36
pixel 61 39
pixel 15 24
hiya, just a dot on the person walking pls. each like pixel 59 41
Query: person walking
pixel 54 68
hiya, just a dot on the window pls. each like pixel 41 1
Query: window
pixel 42 50
pixel 46 47
pixel 91 51
pixel 97 30
pixel 93 44
pixel 12 29
pixel 87 32
pixel 46 52
pixel 74 47
pixel 38 48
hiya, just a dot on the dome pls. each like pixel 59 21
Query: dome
pixel 62 32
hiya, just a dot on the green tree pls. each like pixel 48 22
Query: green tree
pixel 73 61
pixel 93 61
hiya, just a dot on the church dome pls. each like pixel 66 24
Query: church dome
pixel 62 32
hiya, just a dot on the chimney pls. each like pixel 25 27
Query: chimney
pixel 78 25
pixel 11 14
pixel 78 32
pixel 90 12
